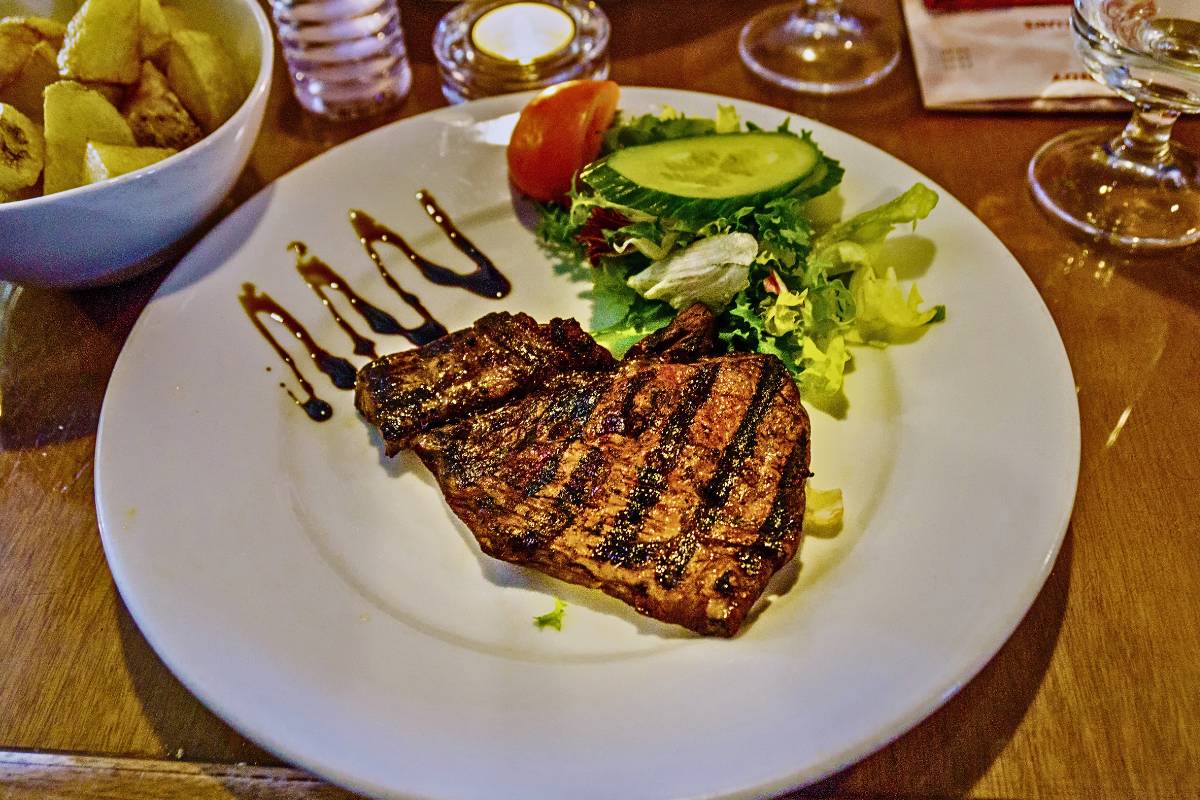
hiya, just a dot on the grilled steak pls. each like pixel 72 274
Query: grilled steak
pixel 692 334
pixel 469 370
pixel 672 480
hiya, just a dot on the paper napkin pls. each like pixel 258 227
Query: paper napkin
pixel 1018 58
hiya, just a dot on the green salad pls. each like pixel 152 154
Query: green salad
pixel 679 210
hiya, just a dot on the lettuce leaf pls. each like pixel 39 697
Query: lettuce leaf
pixel 727 120
pixel 823 511
pixel 612 299
pixel 855 242
pixel 812 323
pixel 709 271
pixel 556 231
pixel 651 128
pixel 650 239
pixel 552 619
pixel 884 313
pixel 620 316
pixel 787 313
pixel 743 328
pixel 824 367
pixel 642 318
pixel 784 232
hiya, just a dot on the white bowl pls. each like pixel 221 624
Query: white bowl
pixel 109 231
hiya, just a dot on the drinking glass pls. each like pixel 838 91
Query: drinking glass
pixel 1133 187
pixel 346 58
pixel 817 47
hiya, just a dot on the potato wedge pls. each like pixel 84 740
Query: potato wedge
pixel 156 31
pixel 46 29
pixel 40 70
pixel 175 17
pixel 103 42
pixel 16 46
pixel 156 116
pixel 205 77
pixel 19 37
pixel 112 92
pixel 104 161
pixel 21 194
pixel 75 115
pixel 22 151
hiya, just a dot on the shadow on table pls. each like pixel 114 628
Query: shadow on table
pixel 58 348
pixel 948 753
pixel 1175 277
pixel 183 725
pixel 219 240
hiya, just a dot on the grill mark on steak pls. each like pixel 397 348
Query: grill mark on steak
pixel 566 409
pixel 579 483
pixel 676 553
pixel 469 458
pixel 716 491
pixel 783 514
pixel 583 477
pixel 499 359
pixel 673 558
pixel 620 547
pixel 618 421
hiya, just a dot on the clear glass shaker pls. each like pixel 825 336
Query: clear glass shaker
pixel 346 58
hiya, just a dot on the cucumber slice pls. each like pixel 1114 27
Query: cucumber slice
pixel 705 177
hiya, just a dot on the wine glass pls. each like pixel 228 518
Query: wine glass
pixel 1133 187
pixel 817 47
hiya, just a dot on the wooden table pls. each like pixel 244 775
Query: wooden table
pixel 1096 695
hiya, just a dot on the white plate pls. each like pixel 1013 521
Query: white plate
pixel 328 604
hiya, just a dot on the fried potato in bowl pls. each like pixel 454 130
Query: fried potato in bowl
pixel 163 153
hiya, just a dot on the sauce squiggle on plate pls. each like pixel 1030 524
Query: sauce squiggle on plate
pixel 485 280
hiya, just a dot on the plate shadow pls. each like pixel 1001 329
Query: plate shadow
pixel 184 726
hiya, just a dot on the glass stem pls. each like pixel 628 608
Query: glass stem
pixel 1146 140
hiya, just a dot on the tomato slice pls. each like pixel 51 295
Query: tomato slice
pixel 558 132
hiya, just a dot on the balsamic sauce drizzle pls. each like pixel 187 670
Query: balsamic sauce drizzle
pixel 340 371
pixel 485 280
pixel 320 276
pixel 371 233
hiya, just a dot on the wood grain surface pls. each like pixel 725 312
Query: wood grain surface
pixel 40 776
pixel 1096 695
